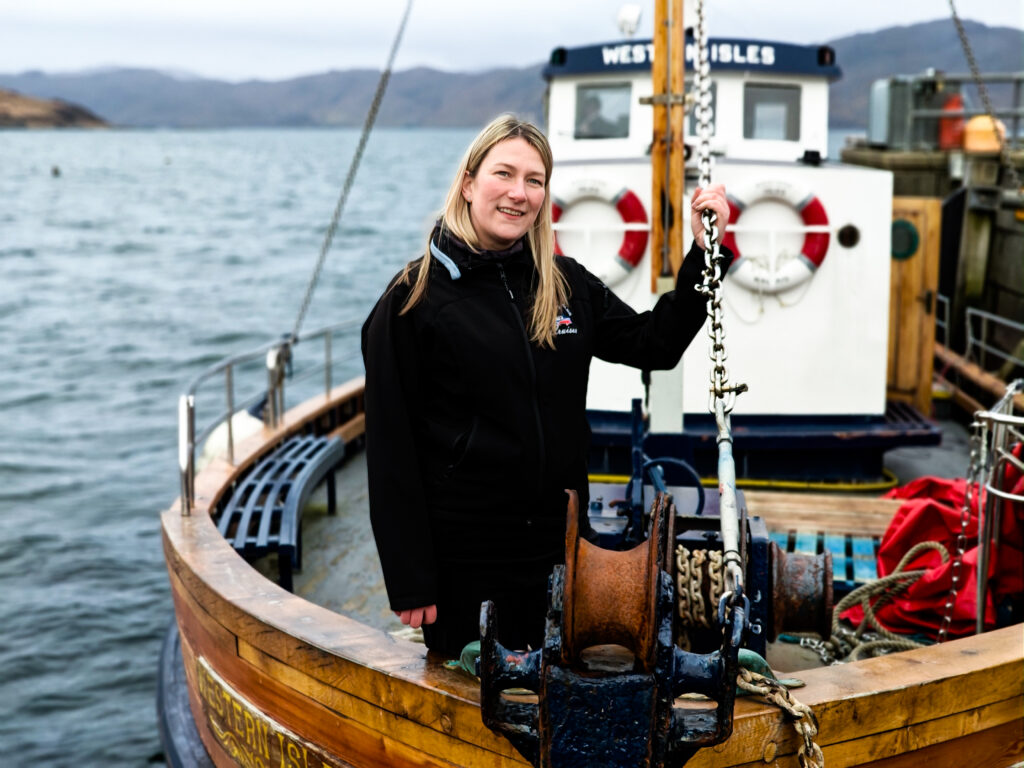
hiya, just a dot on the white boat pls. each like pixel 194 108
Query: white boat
pixel 807 301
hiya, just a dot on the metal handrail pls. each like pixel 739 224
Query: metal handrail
pixel 1015 112
pixel 996 432
pixel 278 355
pixel 976 343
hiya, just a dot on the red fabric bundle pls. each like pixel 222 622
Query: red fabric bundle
pixel 932 513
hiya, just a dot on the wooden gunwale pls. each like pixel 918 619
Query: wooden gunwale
pixel 371 699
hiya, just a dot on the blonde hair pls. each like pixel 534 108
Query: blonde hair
pixel 552 289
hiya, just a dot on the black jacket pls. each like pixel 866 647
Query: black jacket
pixel 473 432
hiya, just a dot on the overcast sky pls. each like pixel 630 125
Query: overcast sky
pixel 277 39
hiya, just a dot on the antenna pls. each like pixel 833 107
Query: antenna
pixel 629 19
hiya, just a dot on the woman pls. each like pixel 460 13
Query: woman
pixel 477 358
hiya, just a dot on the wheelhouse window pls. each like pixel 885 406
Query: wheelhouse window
pixel 771 112
pixel 691 119
pixel 602 111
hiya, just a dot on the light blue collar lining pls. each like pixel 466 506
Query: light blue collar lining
pixel 445 259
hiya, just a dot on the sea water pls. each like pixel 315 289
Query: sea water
pixel 129 261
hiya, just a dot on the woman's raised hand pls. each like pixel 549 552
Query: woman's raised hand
pixel 712 197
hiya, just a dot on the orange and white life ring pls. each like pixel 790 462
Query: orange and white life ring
pixel 630 208
pixel 753 275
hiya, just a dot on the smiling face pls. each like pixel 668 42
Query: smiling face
pixel 506 193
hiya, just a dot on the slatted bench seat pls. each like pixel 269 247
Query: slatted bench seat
pixel 264 514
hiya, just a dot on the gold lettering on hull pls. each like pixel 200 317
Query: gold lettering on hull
pixel 252 739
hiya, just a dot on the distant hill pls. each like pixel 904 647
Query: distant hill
pixel 415 97
pixel 429 97
pixel 18 111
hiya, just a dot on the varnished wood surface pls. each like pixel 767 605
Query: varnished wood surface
pixel 960 366
pixel 911 312
pixel 667 147
pixel 856 515
pixel 373 700
pixel 351 429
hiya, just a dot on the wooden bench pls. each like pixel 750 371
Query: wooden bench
pixel 264 513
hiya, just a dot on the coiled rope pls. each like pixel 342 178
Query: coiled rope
pixel 871 638
pixel 371 118
pixel 885 589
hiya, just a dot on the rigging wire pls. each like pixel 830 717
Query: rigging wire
pixel 371 117
pixel 1004 154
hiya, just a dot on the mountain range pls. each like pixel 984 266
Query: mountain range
pixel 430 97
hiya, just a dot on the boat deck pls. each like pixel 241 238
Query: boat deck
pixel 341 571
pixel 354 696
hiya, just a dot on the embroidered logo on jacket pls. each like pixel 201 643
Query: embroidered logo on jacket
pixel 563 323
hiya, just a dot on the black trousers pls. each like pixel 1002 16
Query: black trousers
pixel 520 612
pixel 502 560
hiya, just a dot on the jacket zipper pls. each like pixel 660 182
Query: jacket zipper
pixel 533 380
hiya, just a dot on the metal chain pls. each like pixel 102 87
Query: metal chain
pixel 722 396
pixel 715 578
pixel 809 754
pixel 702 82
pixel 690 584
pixel 711 287
pixel 971 494
pixel 826 650
pixel 371 118
pixel 698 613
pixel 683 584
pixel 1004 154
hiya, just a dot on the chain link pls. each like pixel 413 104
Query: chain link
pixel 698 611
pixel 971 492
pixel 1004 155
pixel 715 576
pixel 809 754
pixel 371 118
pixel 683 583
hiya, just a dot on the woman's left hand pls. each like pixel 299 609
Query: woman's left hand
pixel 712 197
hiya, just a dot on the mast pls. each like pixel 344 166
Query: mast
pixel 667 144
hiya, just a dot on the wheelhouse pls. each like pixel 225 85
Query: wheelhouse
pixel 770 100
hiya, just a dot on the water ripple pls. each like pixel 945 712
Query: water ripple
pixel 156 254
